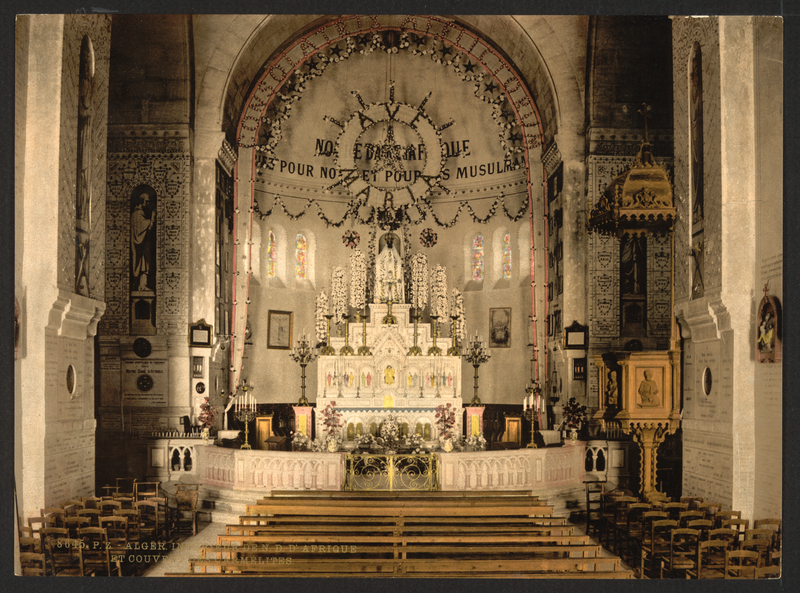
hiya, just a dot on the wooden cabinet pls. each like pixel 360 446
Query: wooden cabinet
pixel 263 432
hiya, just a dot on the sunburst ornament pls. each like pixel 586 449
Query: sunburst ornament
pixel 389 151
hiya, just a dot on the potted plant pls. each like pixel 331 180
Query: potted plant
pixel 331 420
pixel 445 423
pixel 574 414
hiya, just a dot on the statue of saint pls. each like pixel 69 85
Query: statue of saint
pixel 389 272
pixel 611 390
pixel 143 219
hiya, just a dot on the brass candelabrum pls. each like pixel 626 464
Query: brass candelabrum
pixel 246 414
pixel 532 414
pixel 415 349
pixel 304 355
pixel 435 350
pixel 328 349
pixel 347 349
pixel 476 355
pixel 453 350
pixel 363 350
pixel 389 319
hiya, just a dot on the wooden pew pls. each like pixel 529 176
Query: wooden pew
pixel 395 494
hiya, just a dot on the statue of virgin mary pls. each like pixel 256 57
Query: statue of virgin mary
pixel 389 272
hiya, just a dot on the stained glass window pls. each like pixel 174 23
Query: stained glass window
pixel 477 258
pixel 271 256
pixel 300 254
pixel 507 255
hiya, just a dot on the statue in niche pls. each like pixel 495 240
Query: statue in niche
pixel 389 271
pixel 449 380
pixel 611 390
pixel 410 381
pixel 369 379
pixel 389 375
pixel 86 75
pixel 143 219
pixel 329 379
pixel 363 379
pixel 648 390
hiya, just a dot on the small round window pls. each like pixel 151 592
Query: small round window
pixel 71 380
pixel 708 381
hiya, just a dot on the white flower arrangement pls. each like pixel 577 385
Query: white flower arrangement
pixel 358 280
pixel 457 310
pixel 476 441
pixel 439 292
pixel 320 323
pixel 338 294
pixel 300 441
pixel 419 281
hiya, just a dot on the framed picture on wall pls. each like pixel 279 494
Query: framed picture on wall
pixel 500 328
pixel 279 330
pixel 200 334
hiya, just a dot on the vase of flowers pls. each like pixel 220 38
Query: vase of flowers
pixel 331 420
pixel 300 441
pixel 206 417
pixel 475 443
pixel 574 415
pixel 445 423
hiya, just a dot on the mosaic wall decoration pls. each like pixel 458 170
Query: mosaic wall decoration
pixel 161 160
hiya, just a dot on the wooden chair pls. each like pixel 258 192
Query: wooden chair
pixel 72 509
pixel 148 520
pixel 710 560
pixel 739 526
pixel 95 556
pixel 685 516
pixel 145 490
pixel 740 564
pixel 57 513
pixel 775 525
pixel 91 502
pixel 768 572
pixel 758 540
pixel 619 519
pixel 658 548
pixel 675 509
pixel 630 536
pixel 33 564
pixel 64 556
pixel 704 526
pixel 682 552
pixel 54 533
pixel 725 515
pixel 132 515
pixel 126 486
pixel 186 502
pixel 36 524
pixel 74 523
pixel 125 501
pixel 710 509
pixel 107 507
pixel 72 502
pixel 117 531
pixel 774 558
pixel 693 501
pixel 93 516
pixel 28 543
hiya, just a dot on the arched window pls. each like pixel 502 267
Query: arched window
pixel 477 258
pixel 300 257
pixel 507 255
pixel 272 256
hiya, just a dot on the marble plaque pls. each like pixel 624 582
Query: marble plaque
pixel 145 383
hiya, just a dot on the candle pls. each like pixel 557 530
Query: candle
pixel 524 404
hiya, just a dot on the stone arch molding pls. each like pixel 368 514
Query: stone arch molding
pixel 452 43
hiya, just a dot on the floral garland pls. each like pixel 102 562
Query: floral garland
pixel 373 237
pixel 428 237
pixel 338 294
pixel 358 280
pixel 351 239
pixel 439 292
pixel 419 281
pixel 457 311
pixel 320 323
pixel 445 421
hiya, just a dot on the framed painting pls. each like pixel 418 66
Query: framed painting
pixel 500 328
pixel 200 334
pixel 279 330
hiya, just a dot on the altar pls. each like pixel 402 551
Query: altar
pixel 389 381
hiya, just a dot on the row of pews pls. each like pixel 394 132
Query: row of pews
pixel 321 534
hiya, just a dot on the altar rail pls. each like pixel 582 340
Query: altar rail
pixel 539 470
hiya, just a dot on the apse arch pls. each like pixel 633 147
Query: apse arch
pixel 298 51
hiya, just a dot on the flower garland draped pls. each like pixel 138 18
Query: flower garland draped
pixel 320 310
pixel 439 292
pixel 358 279
pixel 338 294
pixel 419 281
pixel 457 311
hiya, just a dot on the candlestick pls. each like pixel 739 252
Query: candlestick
pixel 328 349
pixel 453 350
pixel 415 350
pixel 346 350
pixel 435 350
pixel 533 414
pixel 476 355
pixel 364 350
pixel 303 354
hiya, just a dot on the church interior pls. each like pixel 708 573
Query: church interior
pixel 495 296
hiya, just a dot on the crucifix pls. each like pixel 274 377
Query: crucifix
pixel 645 113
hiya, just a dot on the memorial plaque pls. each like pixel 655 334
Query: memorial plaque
pixel 145 383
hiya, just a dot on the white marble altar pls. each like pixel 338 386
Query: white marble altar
pixel 366 389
